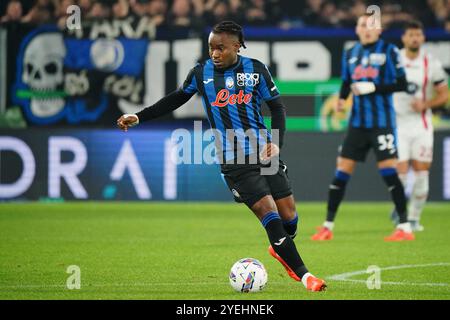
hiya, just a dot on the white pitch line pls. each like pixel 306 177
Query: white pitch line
pixel 345 276
pixel 101 285
pixel 336 277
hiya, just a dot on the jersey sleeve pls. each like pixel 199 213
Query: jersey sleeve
pixel 266 87
pixel 397 62
pixel 438 73
pixel 190 84
pixel 345 71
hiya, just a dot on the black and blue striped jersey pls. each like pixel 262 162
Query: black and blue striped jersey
pixel 232 100
pixel 378 63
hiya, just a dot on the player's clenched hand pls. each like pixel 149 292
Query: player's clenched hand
pixel 418 105
pixel 126 121
pixel 270 150
pixel 339 106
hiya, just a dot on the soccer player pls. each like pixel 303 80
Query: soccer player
pixel 428 80
pixel 371 69
pixel 232 88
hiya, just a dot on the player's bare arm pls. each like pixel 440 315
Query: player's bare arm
pixel 439 100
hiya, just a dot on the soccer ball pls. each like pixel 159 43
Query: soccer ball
pixel 248 275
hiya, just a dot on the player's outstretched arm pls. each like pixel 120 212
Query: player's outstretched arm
pixel 169 103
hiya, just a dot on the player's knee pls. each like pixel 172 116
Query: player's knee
pixel 288 209
pixel 421 166
pixel 388 164
pixel 345 165
pixel 264 206
pixel 402 168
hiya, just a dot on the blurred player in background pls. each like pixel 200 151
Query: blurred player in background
pixel 233 88
pixel 372 70
pixel 428 86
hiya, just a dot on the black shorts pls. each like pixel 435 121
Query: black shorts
pixel 249 186
pixel 360 140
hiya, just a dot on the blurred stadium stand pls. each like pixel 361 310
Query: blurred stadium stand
pixel 201 13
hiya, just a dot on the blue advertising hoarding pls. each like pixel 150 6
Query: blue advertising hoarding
pixel 98 164
pixel 102 165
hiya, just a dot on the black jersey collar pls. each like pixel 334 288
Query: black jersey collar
pixel 370 45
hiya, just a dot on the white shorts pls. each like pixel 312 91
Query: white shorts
pixel 415 144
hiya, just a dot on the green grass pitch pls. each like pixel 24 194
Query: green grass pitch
pixel 185 251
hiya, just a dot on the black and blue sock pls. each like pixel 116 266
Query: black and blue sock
pixel 291 226
pixel 336 193
pixel 397 191
pixel 283 245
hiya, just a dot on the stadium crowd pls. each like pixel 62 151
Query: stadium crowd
pixel 198 13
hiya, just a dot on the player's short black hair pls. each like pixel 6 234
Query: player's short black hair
pixel 365 14
pixel 230 27
pixel 414 24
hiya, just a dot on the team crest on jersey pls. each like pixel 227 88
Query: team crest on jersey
pixel 229 83
pixel 247 79
pixel 377 59
pixel 353 60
